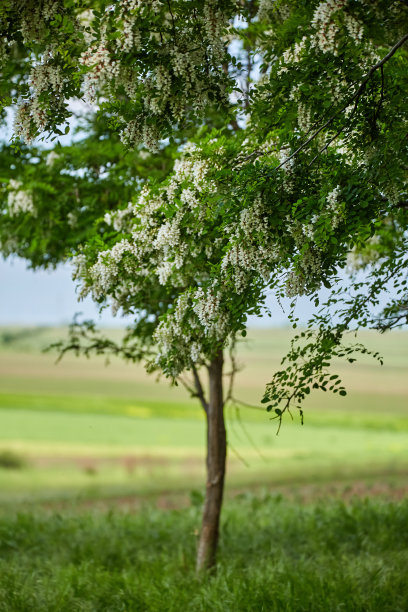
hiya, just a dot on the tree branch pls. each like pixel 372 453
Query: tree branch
pixel 234 369
pixel 355 98
pixel 199 389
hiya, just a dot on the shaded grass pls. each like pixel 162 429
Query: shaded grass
pixel 274 555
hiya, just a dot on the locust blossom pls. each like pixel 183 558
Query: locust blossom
pixel 19 200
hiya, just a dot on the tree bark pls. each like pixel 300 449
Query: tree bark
pixel 216 456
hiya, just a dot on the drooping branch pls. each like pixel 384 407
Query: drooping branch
pixel 313 350
pixel 86 340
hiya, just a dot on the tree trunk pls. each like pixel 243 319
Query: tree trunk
pixel 216 456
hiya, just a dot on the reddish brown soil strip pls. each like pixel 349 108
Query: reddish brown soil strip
pixel 304 494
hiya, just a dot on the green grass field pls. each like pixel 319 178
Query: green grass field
pixel 89 430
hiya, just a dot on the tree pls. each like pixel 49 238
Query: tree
pixel 286 122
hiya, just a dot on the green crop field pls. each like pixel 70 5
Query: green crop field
pixel 84 429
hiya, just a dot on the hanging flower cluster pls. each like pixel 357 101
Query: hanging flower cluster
pixel 199 256
pixel 326 22
pixel 168 245
pixel 19 200
pixel 165 60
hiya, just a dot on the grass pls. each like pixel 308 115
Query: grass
pixel 84 429
pixel 99 455
pixel 274 556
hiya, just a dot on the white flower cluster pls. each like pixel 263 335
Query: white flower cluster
pixel 22 122
pixel 197 316
pixel 251 248
pixel 308 229
pixel 3 49
pixel 214 25
pixel 159 251
pixel 104 272
pixel 181 57
pixel 294 54
pixel 304 117
pixel 327 30
pixel 120 220
pixel 72 219
pixel 102 69
pixel 354 28
pixel 168 71
pixel 32 115
pixel 272 8
pixel 168 236
pixel 35 15
pixel 52 157
pixel 264 9
pixel 19 200
pixel 130 38
pixel 334 212
pixel 207 308
pixel 287 167
pixel 46 76
pixel 334 206
pixel 307 275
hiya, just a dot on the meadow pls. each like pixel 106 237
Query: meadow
pixel 90 430
pixel 102 474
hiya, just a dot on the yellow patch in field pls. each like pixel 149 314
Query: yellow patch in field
pixel 141 412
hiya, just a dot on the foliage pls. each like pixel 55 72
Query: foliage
pixel 11 461
pixel 155 64
pixel 376 298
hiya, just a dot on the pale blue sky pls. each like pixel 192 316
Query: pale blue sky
pixel 49 298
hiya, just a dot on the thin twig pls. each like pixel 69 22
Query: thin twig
pixel 187 386
pixel 249 438
pixel 199 389
pixel 234 400
pixel 237 454
pixel 234 370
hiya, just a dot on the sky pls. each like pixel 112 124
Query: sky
pixel 49 298
pixel 41 297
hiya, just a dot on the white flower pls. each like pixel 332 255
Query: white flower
pixel 19 200
pixel 52 157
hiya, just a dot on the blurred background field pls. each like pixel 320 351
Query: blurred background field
pixel 81 431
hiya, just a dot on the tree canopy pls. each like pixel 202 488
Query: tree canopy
pixel 286 123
